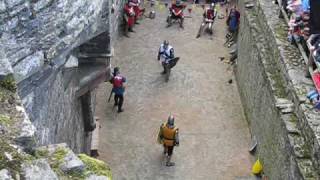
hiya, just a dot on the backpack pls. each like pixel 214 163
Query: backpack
pixel 117 81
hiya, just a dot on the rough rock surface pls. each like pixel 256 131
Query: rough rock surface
pixel 5 175
pixel 40 44
pixel 38 170
pixel 72 163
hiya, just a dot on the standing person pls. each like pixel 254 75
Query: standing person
pixel 129 17
pixel 118 88
pixel 166 53
pixel 169 137
pixel 233 21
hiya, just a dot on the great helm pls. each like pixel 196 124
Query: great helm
pixel 212 5
pixel 171 120
pixel 165 43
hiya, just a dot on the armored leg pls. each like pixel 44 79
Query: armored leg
pixel 200 30
pixel 181 22
pixel 169 21
pixel 126 30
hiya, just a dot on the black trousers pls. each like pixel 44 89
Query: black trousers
pixel 165 67
pixel 118 100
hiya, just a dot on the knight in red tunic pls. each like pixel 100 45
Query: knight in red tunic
pixel 136 7
pixel 176 12
pixel 129 16
pixel 208 18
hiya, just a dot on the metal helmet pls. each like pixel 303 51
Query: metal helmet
pixel 170 120
pixel 165 44
pixel 212 5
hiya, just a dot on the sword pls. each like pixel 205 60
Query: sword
pixel 110 96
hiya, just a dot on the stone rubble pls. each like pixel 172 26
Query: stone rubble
pixel 5 175
pixel 38 170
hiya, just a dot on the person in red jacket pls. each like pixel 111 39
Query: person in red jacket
pixel 118 88
pixel 129 16
pixel 176 12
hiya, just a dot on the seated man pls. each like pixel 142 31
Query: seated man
pixel 176 12
pixel 138 12
pixel 208 19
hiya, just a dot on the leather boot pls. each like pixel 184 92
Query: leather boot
pixel 169 163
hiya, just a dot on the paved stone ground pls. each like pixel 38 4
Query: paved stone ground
pixel 213 131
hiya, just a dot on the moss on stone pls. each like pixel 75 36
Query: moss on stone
pixel 4 119
pixel 4 94
pixel 293 118
pixel 41 153
pixel 14 164
pixel 9 83
pixel 279 85
pixel 56 159
pixel 95 166
pixel 281 32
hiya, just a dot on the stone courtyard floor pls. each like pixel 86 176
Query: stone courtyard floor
pixel 214 135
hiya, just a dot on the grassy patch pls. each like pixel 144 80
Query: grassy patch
pixel 4 94
pixel 41 153
pixel 293 118
pixel 95 166
pixel 279 85
pixel 13 165
pixel 4 119
pixel 9 83
pixel 56 160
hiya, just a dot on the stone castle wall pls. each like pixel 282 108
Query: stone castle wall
pixel 40 40
pixel 270 77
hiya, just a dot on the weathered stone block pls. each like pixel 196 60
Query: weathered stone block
pixel 72 163
pixel 41 4
pixel 5 68
pixel 5 175
pixel 17 9
pixel 11 25
pixel 71 62
pixel 38 170
pixel 11 3
pixel 19 54
pixel 2 7
pixel 28 66
pixel 27 129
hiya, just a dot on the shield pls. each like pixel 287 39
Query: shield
pixel 173 62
